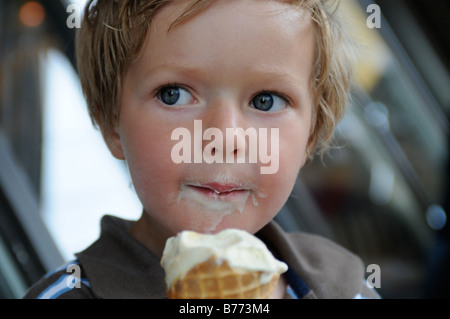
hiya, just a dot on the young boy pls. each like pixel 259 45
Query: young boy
pixel 156 73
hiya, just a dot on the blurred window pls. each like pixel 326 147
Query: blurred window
pixel 381 187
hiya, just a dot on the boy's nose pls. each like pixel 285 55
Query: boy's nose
pixel 223 115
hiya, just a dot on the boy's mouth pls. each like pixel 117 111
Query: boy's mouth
pixel 209 201
pixel 221 193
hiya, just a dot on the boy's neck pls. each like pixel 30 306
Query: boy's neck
pixel 148 234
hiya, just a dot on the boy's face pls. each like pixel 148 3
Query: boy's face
pixel 237 64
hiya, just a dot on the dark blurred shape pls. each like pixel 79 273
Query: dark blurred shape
pixel 438 285
pixel 434 17
pixel 421 27
pixel 27 29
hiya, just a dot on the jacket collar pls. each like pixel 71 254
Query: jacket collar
pixel 141 276
pixel 312 259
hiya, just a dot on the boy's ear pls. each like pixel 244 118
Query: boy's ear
pixel 112 140
pixel 308 151
pixel 305 158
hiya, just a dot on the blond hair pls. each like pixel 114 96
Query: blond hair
pixel 113 32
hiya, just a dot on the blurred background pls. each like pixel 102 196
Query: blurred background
pixel 382 191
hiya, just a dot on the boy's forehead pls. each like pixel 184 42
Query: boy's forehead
pixel 228 36
pixel 213 27
pixel 183 10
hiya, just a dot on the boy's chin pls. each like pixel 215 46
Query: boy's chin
pixel 213 222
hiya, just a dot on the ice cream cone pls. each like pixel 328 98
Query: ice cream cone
pixel 229 265
pixel 214 280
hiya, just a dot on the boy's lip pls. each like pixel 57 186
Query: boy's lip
pixel 218 190
pixel 221 188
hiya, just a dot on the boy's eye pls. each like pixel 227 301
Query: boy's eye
pixel 269 102
pixel 175 96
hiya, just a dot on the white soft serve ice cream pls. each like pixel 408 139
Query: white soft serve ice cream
pixel 238 248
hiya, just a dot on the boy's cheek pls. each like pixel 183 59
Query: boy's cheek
pixel 145 144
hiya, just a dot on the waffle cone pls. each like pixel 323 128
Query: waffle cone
pixel 214 280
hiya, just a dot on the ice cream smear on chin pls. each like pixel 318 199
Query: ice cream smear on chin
pixel 216 204
pixel 241 250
